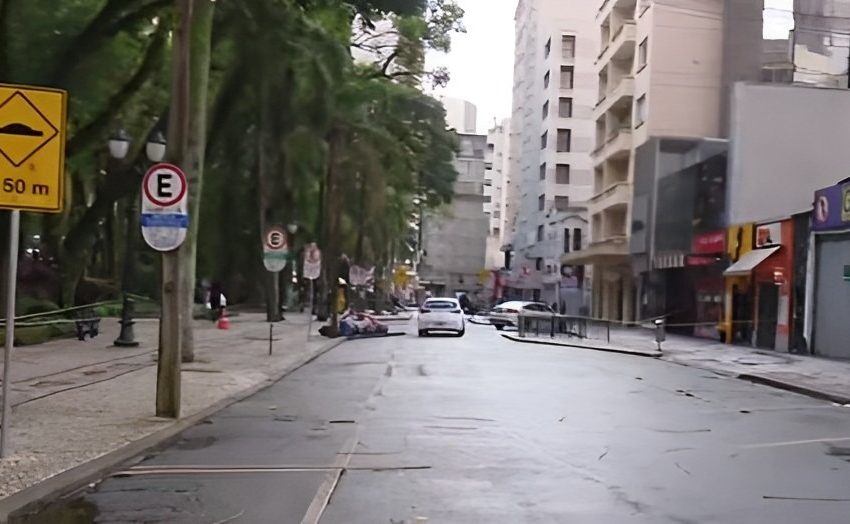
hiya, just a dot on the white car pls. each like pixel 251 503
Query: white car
pixel 507 313
pixel 441 314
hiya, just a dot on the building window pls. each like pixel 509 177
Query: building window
pixel 543 171
pixel 643 51
pixel 564 140
pixel 545 110
pixel 540 233
pixel 541 202
pixel 566 77
pixel 544 140
pixel 576 239
pixel 547 48
pixel 538 265
pixel 640 111
pixel 562 174
pixel 546 80
pixel 565 107
pixel 488 198
pixel 562 203
pixel 568 47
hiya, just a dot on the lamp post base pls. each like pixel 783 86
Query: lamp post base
pixel 127 338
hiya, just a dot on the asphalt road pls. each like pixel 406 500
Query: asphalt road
pixel 481 429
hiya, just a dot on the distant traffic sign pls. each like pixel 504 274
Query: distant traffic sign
pixel 32 148
pixel 165 215
pixel 312 262
pixel 275 249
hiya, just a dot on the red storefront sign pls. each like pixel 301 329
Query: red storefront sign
pixel 709 243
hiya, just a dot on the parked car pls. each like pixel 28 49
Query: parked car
pixel 507 313
pixel 441 314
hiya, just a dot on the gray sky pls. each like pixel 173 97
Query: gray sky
pixel 481 61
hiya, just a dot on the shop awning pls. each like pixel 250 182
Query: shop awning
pixel 745 265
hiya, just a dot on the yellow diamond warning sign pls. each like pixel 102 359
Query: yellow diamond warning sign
pixel 32 148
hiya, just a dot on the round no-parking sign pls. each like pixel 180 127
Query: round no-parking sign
pixel 165 214
pixel 275 249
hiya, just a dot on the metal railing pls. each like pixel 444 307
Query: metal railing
pixel 569 326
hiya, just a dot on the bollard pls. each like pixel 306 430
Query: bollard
pixel 660 332
pixel 271 338
pixel 552 327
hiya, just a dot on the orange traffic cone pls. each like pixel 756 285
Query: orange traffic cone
pixel 223 320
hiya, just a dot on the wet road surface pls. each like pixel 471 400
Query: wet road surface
pixel 481 429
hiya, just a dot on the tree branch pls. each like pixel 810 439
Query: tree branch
pixel 152 61
pixel 388 62
pixel 105 25
pixel 4 44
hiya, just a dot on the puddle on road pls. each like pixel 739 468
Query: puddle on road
pixel 77 511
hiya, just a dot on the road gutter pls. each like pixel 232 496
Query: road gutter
pixel 608 349
pixel 795 387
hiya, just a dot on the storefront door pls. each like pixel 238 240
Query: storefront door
pixel 832 297
pixel 768 304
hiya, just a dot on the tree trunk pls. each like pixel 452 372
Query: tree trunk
pixel 332 241
pixel 200 41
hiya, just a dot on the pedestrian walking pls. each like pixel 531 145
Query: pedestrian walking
pixel 217 301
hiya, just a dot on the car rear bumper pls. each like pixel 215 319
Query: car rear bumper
pixel 502 321
pixel 441 324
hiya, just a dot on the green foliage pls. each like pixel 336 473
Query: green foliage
pixel 296 130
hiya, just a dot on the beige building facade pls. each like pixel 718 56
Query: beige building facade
pixel 551 138
pixel 497 190
pixel 665 69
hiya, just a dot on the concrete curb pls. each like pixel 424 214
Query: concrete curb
pixel 72 479
pixel 795 387
pixel 608 349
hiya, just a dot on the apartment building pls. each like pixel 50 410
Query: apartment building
pixel 461 115
pixel 454 239
pixel 821 40
pixel 551 137
pixel 665 69
pixel 496 191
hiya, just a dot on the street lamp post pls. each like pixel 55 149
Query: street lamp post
pixel 155 152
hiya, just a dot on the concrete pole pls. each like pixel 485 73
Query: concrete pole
pixel 171 321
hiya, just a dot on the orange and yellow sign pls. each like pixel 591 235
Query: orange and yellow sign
pixel 32 148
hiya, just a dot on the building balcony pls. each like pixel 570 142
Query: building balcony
pixel 617 145
pixel 618 194
pixel 612 250
pixel 620 95
pixel 622 46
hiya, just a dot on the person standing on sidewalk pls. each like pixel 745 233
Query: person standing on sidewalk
pixel 217 301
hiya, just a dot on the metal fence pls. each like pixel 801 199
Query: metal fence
pixel 568 326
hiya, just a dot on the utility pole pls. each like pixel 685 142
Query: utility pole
pixel 171 321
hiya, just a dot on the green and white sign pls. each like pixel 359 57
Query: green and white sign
pixel 275 249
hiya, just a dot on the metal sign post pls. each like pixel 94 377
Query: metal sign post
pixel 312 270
pixel 32 164
pixel 275 256
pixel 11 282
pixel 309 316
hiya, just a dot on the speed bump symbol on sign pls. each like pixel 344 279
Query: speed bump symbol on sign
pixel 32 148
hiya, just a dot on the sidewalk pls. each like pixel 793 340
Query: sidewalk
pixel 813 376
pixel 76 401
